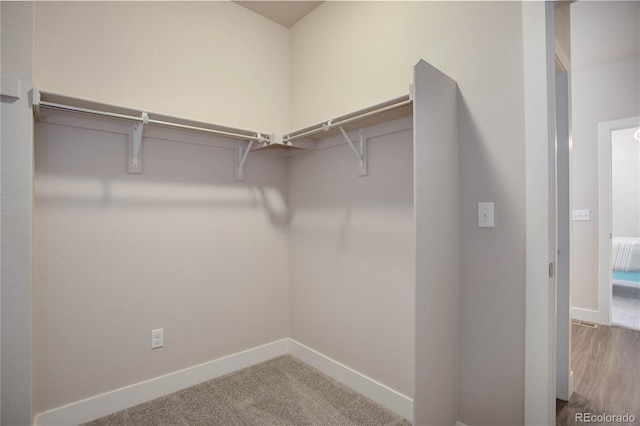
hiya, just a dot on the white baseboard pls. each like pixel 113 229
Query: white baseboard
pixel 383 395
pixel 126 397
pixel 585 315
pixel 129 396
pixel 570 383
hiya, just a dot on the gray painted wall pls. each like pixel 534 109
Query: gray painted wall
pixel 181 246
pixel 351 248
pixel 367 58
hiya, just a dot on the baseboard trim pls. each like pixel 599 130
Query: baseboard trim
pixel 383 395
pixel 585 315
pixel 126 397
pixel 120 399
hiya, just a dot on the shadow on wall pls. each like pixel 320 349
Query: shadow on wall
pixel 82 168
pixel 86 168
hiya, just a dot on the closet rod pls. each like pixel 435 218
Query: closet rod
pixel 333 124
pixel 51 105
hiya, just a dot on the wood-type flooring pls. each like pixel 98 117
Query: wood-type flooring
pixel 606 377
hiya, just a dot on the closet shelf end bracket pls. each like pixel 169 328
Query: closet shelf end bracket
pixel 35 102
pixel 135 163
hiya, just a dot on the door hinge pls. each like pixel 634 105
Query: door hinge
pixel 551 270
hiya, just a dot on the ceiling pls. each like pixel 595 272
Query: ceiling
pixel 285 13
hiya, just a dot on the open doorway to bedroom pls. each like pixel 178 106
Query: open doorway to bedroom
pixel 625 227
pixel 604 101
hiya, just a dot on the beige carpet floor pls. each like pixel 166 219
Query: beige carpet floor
pixel 281 392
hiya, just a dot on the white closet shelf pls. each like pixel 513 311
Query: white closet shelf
pixel 287 144
pixel 375 114
pixel 48 100
pixel 140 119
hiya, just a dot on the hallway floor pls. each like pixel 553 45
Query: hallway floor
pixel 606 375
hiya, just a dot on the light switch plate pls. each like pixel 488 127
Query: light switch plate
pixel 485 215
pixel 581 215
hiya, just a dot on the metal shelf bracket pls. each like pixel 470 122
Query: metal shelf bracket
pixel 360 153
pixel 135 165
pixel 242 154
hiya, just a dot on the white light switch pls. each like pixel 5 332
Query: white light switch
pixel 581 215
pixel 485 215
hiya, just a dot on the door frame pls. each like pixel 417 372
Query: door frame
pixel 564 383
pixel 604 212
pixel 540 290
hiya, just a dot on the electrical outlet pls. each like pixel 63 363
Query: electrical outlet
pixel 157 338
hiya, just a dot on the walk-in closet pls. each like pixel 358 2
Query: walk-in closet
pixel 192 189
pixel 243 245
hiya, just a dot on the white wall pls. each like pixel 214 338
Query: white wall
pixel 605 86
pixel 347 55
pixel 16 214
pixel 351 248
pixel 215 62
pixel 625 184
pixel 181 246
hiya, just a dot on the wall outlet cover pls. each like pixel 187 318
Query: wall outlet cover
pixel 157 338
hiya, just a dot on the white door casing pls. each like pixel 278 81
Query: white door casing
pixel 604 212
pixel 540 289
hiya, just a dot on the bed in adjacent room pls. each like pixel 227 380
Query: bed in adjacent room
pixel 626 262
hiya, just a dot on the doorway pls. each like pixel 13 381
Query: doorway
pixel 619 231
pixel 625 227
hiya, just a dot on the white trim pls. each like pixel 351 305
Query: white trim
pixel 540 302
pixel 128 396
pixel 383 395
pixel 585 315
pixel 460 424
pixel 120 399
pixel 563 226
pixel 604 212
